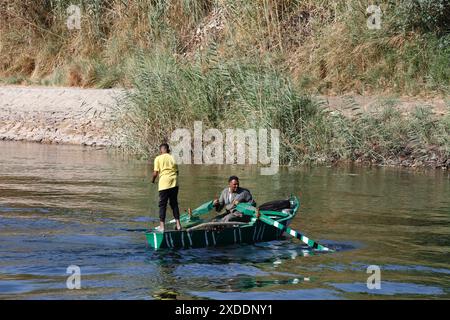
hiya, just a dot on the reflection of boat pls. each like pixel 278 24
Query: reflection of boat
pixel 198 233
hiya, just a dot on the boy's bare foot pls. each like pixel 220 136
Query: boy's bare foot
pixel 178 226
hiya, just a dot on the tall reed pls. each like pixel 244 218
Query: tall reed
pixel 170 94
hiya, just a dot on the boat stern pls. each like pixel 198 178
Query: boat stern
pixel 155 239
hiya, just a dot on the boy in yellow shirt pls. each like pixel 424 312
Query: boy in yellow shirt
pixel 167 170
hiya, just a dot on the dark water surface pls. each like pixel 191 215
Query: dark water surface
pixel 69 205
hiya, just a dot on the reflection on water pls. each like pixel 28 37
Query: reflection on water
pixel 68 205
pixel 298 294
pixel 391 288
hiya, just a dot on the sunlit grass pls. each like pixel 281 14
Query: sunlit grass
pixel 242 94
pixel 325 45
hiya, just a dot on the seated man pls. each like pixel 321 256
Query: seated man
pixel 230 197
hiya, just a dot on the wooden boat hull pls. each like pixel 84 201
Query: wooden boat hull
pixel 246 234
pixel 197 234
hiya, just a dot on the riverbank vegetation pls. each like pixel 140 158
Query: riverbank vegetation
pixel 326 46
pixel 169 95
pixel 242 64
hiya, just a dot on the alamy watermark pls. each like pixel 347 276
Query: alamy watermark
pixel 235 146
pixel 374 280
pixel 374 21
pixel 74 19
pixel 74 280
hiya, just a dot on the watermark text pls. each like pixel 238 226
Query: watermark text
pixel 74 280
pixel 235 146
pixel 374 280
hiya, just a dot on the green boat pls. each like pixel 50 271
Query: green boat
pixel 199 233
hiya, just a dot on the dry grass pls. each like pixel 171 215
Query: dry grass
pixel 325 44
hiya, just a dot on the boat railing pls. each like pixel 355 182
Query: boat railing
pixel 216 224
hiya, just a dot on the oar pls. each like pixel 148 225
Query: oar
pixel 201 210
pixel 293 233
pixel 253 212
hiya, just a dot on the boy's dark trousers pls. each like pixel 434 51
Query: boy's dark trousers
pixel 170 195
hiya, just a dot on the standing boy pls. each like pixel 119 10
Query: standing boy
pixel 167 170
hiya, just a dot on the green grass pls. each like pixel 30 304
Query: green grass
pixel 251 94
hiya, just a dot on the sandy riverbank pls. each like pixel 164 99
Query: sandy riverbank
pixel 82 116
pixel 57 115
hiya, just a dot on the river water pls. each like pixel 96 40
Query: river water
pixel 64 206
